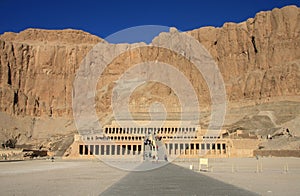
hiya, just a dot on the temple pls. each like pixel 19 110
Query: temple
pixel 166 140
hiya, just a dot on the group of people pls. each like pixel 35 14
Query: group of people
pixel 154 157
pixel 153 147
pixel 150 143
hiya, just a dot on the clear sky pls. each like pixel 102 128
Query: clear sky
pixel 103 18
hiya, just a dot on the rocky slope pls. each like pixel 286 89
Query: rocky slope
pixel 259 60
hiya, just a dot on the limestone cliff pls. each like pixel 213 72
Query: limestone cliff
pixel 259 60
pixel 37 68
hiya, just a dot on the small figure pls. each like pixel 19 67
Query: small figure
pixel 166 158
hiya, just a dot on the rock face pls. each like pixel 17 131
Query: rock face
pixel 37 70
pixel 52 37
pixel 259 59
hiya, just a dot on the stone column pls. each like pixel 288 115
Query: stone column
pixel 174 150
pixel 104 150
pixel 126 149
pixel 179 148
pixel 221 148
pixel 142 147
pixel 131 152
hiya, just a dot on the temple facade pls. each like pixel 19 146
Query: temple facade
pixel 169 140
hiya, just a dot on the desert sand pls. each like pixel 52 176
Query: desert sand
pixel 265 176
pixel 56 178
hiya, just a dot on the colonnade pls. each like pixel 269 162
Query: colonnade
pixel 195 148
pixel 110 149
pixel 130 141
pixel 147 130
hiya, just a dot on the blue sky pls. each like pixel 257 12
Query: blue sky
pixel 103 18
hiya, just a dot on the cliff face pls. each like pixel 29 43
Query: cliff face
pixel 259 59
pixel 37 69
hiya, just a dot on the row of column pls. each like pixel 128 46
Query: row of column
pixel 195 148
pixel 109 149
pixel 145 130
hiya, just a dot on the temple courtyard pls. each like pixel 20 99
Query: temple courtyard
pixel 223 176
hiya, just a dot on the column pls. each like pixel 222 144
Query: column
pixel 105 149
pixel 208 146
pixel 143 147
pixel 126 150
pixel 173 148
pixel 115 149
pixel 188 149
pixel 181 146
pixel 123 149
pixel 221 148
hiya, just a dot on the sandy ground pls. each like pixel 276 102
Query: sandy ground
pixel 57 178
pixel 265 176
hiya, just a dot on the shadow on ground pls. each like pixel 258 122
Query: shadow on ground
pixel 171 180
